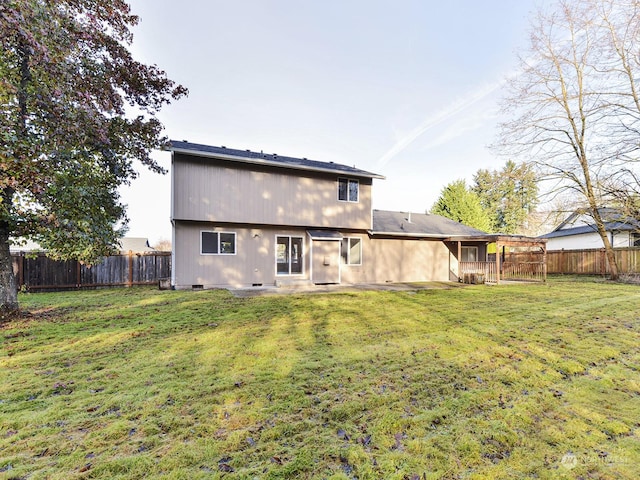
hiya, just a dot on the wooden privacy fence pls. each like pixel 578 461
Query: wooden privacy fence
pixel 42 273
pixel 586 262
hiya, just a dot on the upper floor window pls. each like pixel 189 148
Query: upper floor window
pixel 217 243
pixel 348 190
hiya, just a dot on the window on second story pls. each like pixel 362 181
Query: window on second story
pixel 348 190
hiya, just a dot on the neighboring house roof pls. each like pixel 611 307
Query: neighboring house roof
pixel 609 226
pixel 135 244
pixel 419 225
pixel 614 220
pixel 271 159
pixel 23 245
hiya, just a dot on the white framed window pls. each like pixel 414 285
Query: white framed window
pixel 348 190
pixel 289 255
pixel 217 243
pixel 469 254
pixel 351 250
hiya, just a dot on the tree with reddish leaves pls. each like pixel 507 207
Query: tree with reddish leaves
pixel 68 137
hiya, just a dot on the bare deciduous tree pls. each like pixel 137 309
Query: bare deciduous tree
pixel 574 110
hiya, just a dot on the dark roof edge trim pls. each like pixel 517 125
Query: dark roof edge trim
pixel 407 234
pixel 256 161
pixel 333 235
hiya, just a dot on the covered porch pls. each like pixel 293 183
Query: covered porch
pixel 497 269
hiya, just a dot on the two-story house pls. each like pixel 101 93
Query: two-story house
pixel 242 218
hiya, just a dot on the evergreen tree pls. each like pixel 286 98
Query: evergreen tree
pixel 508 195
pixel 459 203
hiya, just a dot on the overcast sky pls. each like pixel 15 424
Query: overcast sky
pixel 406 89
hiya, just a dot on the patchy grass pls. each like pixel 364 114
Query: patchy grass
pixel 512 381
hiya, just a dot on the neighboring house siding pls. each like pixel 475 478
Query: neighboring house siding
pixel 587 241
pixel 219 191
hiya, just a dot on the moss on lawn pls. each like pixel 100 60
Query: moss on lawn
pixel 513 381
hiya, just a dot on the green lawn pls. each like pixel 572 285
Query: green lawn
pixel 513 381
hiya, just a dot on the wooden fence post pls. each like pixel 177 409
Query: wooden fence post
pixel 20 278
pixel 130 283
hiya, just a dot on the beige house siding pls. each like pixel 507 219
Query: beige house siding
pixel 253 263
pixel 399 260
pixel 219 191
pixel 383 260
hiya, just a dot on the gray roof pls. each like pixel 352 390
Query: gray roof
pixel 23 245
pixel 135 244
pixel 609 226
pixel 614 220
pixel 126 244
pixel 420 225
pixel 272 159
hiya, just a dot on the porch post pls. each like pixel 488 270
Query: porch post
pixel 459 260
pixel 497 262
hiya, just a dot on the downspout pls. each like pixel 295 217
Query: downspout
pixel 173 223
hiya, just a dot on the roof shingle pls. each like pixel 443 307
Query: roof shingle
pixel 273 159
pixel 420 224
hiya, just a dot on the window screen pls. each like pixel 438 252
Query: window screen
pixel 210 242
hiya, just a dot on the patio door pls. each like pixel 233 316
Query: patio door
pixel 289 255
